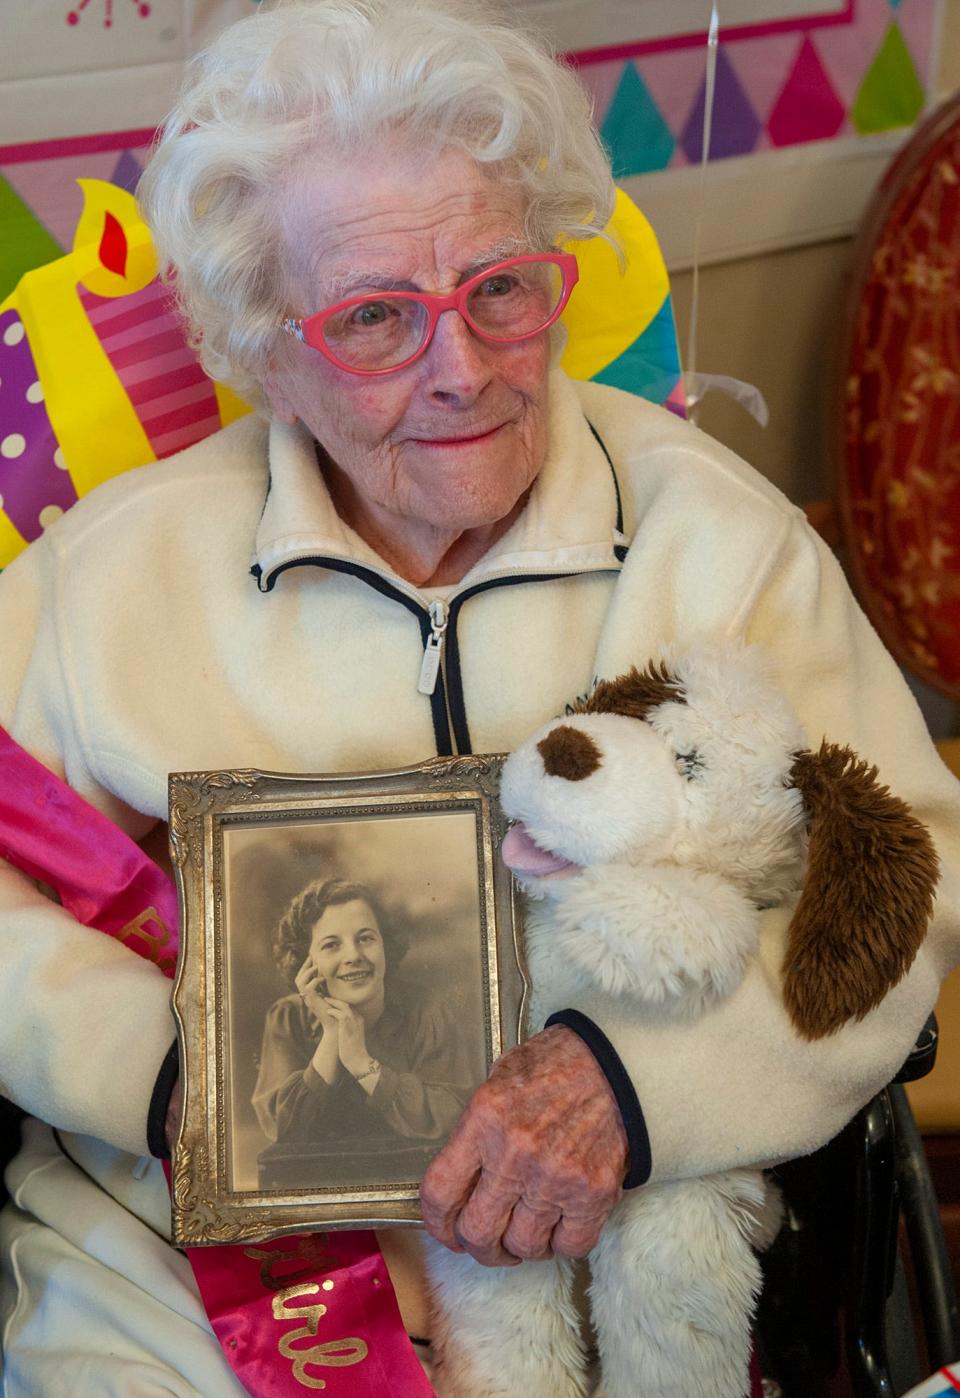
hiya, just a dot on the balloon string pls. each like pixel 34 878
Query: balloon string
pixel 713 39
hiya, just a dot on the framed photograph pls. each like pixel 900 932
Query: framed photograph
pixel 349 970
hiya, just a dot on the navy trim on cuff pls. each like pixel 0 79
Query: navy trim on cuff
pixel 638 1141
pixel 160 1101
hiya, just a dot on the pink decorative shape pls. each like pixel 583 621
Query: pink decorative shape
pixel 143 10
pixel 918 31
pixel 156 390
pixel 143 339
pixel 174 362
pixel 808 108
pixel 182 418
pixel 676 399
pixel 144 348
pixel 176 396
pixel 76 145
pixel 111 318
pixel 179 438
pixel 762 67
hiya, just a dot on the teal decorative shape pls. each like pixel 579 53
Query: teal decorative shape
pixel 634 132
pixel 650 367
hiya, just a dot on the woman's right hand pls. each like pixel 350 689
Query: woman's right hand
pixel 312 989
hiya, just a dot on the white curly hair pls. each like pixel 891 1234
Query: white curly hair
pixel 341 75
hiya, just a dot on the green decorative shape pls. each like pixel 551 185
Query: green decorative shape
pixel 24 242
pixel 634 132
pixel 891 94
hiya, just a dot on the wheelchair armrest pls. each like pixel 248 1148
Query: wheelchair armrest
pixel 923 1055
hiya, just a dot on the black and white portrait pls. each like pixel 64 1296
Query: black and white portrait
pixel 356 991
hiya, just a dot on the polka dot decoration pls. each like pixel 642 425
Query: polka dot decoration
pixel 31 485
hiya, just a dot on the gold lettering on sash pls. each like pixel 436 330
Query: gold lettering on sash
pixel 310 1250
pixel 153 941
pixel 327 1354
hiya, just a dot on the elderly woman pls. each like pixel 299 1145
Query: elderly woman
pixel 361 204
pixel 347 1054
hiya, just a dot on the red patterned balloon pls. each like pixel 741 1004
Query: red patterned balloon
pixel 899 447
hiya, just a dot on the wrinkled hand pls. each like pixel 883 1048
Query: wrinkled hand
pixel 535 1163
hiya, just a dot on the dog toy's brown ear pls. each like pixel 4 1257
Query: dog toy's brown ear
pixel 867 896
pixel 634 694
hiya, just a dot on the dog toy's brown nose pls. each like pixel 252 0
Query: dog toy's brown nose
pixel 569 753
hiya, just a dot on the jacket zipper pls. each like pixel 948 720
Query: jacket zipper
pixel 445 693
pixel 433 651
pixel 453 680
pixel 409 598
pixel 433 667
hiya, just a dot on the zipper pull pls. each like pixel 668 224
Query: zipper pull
pixel 430 666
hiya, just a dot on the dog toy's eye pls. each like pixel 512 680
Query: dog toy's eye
pixel 689 764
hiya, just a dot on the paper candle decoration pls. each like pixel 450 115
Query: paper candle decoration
pixel 96 375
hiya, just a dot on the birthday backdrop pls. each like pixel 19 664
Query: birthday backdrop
pixel 810 72
pixel 69 68
pixel 95 374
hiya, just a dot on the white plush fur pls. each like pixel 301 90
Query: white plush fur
pixel 675 1280
pixel 686 829
pixel 684 945
pixel 504 1332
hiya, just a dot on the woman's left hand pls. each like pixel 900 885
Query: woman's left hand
pixel 536 1161
pixel 353 1036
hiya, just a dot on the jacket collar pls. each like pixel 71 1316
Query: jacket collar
pixel 569 523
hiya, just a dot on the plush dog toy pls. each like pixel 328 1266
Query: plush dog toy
pixel 654 822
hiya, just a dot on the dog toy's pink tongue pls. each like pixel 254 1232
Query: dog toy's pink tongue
pixel 527 859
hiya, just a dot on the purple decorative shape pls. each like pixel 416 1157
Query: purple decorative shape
pixel 30 479
pixel 736 125
pixel 127 172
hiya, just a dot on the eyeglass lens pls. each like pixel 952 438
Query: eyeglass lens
pixel 513 301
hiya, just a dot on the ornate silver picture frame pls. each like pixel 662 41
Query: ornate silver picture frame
pixel 350 968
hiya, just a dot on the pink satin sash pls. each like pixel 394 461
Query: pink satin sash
pixel 300 1312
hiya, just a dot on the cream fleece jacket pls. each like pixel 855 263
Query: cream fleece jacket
pixel 136 642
